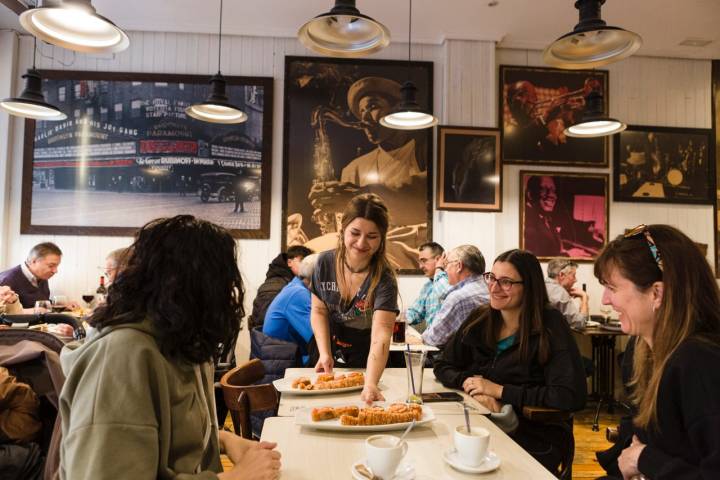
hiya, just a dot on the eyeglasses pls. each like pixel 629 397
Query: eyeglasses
pixel 504 282
pixel 642 229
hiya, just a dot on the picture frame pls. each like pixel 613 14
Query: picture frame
pixel 536 104
pixel 664 165
pixel 564 214
pixel 469 169
pixel 335 148
pixel 715 78
pixel 128 153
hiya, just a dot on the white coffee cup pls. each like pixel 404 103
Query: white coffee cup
pixel 384 455
pixel 471 447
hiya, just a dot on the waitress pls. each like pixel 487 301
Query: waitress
pixel 354 301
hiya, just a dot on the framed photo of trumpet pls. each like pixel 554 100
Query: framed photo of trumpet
pixel 537 104
pixel 664 165
pixel 336 148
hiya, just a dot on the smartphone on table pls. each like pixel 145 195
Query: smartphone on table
pixel 441 397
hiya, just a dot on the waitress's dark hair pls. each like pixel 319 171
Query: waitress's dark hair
pixel 182 275
pixel 534 302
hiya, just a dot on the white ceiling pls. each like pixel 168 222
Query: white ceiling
pixel 663 24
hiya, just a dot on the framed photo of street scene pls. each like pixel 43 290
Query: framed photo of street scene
pixel 469 169
pixel 335 148
pixel 537 104
pixel 664 165
pixel 127 154
pixel 563 214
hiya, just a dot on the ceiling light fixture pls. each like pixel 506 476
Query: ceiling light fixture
pixel 31 102
pixel 217 108
pixel 592 43
pixel 344 32
pixel 75 25
pixel 594 122
pixel 408 115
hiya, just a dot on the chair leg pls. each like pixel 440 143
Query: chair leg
pixel 595 425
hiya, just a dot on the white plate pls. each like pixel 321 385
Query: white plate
pixel 405 471
pixel 491 462
pixel 303 417
pixel 284 385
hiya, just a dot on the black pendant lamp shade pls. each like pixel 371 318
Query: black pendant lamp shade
pixel 592 43
pixel 594 122
pixel 217 108
pixel 408 115
pixel 75 25
pixel 344 32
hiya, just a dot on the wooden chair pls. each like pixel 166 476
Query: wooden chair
pixel 564 420
pixel 242 398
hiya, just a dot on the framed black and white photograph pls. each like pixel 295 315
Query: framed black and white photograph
pixel 716 129
pixel 662 164
pixel 336 148
pixel 537 104
pixel 469 169
pixel 127 154
pixel 563 214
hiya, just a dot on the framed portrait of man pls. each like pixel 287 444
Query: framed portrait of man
pixel 128 154
pixel 563 214
pixel 469 169
pixel 664 165
pixel 336 148
pixel 537 104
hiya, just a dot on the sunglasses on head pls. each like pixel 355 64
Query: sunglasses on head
pixel 643 230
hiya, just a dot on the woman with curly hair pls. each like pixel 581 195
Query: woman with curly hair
pixel 138 400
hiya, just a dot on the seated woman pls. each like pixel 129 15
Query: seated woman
pixel 138 399
pixel 665 293
pixel 519 351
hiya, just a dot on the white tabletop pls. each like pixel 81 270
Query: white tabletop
pixel 309 454
pixel 393 386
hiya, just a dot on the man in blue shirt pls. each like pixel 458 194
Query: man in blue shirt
pixel 432 262
pixel 288 316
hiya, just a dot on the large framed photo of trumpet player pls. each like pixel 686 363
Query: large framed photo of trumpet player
pixel 335 148
pixel 563 214
pixel 664 165
pixel 537 104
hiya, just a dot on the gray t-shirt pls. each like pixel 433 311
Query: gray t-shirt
pixel 356 314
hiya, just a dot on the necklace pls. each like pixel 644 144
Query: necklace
pixel 359 270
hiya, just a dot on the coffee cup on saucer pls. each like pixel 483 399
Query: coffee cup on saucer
pixel 472 446
pixel 384 454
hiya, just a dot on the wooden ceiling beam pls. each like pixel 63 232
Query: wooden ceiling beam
pixel 15 5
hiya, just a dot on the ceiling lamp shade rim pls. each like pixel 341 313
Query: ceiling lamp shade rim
pixel 208 110
pixel 114 38
pixel 586 129
pixel 409 115
pixel 33 98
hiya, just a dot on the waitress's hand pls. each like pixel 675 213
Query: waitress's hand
pixel 371 393
pixel 325 364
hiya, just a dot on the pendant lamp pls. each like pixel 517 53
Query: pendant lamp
pixel 408 115
pixel 592 43
pixel 75 25
pixel 217 108
pixel 31 102
pixel 344 32
pixel 594 122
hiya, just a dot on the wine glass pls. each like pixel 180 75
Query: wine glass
pixel 606 311
pixel 42 306
pixel 88 298
pixel 59 303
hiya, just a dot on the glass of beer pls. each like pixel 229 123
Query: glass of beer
pixel 398 335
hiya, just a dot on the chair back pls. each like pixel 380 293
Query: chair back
pixel 564 421
pixel 243 398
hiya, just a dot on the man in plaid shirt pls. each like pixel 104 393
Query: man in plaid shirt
pixel 432 262
pixel 465 266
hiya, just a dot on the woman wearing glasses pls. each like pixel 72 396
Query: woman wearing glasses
pixel 665 294
pixel 518 351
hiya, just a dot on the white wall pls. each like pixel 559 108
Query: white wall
pixel 647 91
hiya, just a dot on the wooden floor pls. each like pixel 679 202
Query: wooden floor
pixel 587 443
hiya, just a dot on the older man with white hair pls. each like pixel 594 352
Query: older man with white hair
pixel 561 291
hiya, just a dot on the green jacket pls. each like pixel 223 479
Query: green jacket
pixel 129 412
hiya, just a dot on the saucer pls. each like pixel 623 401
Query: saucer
pixel 405 471
pixel 491 462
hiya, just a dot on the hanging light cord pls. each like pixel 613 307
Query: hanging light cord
pixel 220 35
pixel 409 39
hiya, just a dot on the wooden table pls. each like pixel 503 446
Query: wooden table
pixel 309 454
pixel 393 386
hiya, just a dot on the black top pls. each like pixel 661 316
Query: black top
pixel 28 293
pixel 560 383
pixel 686 444
pixel 277 276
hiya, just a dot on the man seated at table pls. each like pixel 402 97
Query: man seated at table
pixel 30 279
pixel 288 316
pixel 115 262
pixel 464 265
pixel 432 262
pixel 559 284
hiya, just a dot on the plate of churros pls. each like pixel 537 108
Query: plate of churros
pixel 361 418
pixel 321 384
